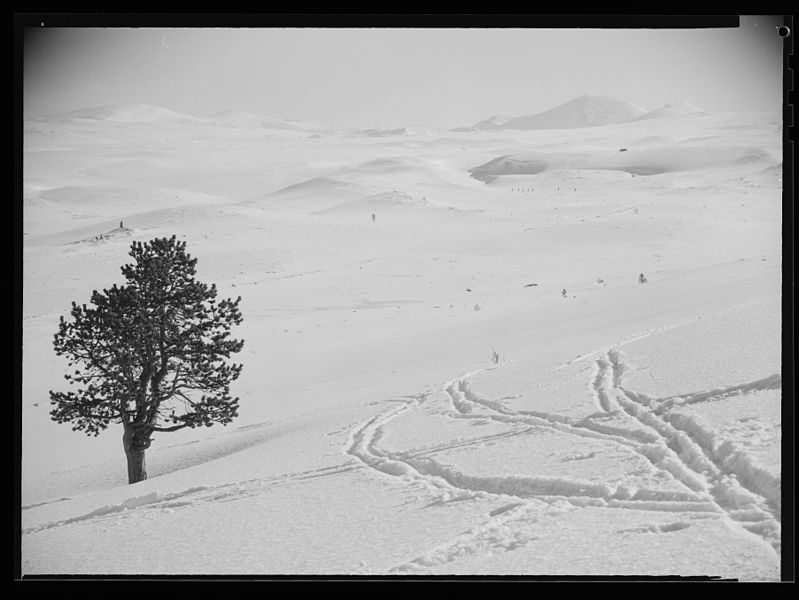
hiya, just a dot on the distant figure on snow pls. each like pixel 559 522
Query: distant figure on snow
pixel 563 293
pixel 120 225
pixel 374 218
pixel 641 278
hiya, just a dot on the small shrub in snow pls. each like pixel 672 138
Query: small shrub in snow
pixel 494 356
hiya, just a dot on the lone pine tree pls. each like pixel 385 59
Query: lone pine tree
pixel 151 354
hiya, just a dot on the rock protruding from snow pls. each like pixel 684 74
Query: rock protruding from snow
pixel 380 132
pixel 508 165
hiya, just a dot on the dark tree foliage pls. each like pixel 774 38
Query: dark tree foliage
pixel 150 354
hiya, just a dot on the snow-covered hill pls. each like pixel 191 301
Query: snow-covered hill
pixel 442 374
pixel 492 123
pixel 239 118
pixel 144 114
pixel 650 155
pixel 585 111
pixel 672 110
pixel 133 113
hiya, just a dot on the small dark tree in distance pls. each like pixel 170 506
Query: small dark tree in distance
pixel 151 353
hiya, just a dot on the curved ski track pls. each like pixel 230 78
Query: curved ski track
pixel 718 478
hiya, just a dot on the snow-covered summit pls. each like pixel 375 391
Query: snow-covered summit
pixel 585 111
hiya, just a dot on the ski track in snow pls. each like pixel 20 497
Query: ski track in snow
pixel 748 496
pixel 720 479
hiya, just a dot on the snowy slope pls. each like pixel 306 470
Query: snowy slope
pixel 584 111
pixel 620 428
pixel 492 123
pixel 671 110
pixel 240 118
pixel 650 155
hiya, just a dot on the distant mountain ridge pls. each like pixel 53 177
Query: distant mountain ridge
pixel 146 113
pixel 240 118
pixel 131 113
pixel 672 110
pixel 584 111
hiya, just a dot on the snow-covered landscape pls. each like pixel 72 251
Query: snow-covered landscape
pixel 541 344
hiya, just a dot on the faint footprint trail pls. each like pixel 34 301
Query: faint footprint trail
pixel 510 527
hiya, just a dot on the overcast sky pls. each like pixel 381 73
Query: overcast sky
pixel 369 77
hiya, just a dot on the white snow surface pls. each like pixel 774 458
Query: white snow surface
pixel 472 382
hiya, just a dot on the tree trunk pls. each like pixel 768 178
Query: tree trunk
pixel 134 451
